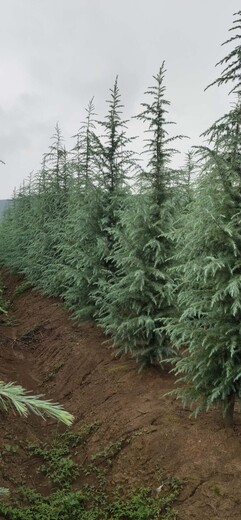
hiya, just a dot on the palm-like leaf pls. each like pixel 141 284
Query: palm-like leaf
pixel 15 396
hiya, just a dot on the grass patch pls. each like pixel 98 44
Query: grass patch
pixel 58 464
pixel 9 449
pixel 89 504
pixel 111 450
pixel 91 501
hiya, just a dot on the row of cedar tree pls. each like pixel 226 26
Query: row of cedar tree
pixel 153 254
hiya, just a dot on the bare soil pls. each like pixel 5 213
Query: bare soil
pixel 46 352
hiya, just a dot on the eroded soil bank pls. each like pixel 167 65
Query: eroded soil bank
pixel 47 353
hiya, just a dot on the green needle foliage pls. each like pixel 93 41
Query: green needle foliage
pixel 55 183
pixel 77 249
pixel 82 253
pixel 83 161
pixel 116 163
pixel 140 295
pixel 14 396
pixel 16 231
pixel 33 227
pixel 209 266
pixel 231 72
pixel 88 239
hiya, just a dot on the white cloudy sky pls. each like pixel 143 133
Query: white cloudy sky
pixel 56 54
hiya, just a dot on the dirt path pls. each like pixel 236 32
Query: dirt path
pixel 47 353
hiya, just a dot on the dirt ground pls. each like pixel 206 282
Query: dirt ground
pixel 48 353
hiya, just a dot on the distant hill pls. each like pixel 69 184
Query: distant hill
pixel 3 205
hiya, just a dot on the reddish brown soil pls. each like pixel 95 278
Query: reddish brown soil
pixel 72 365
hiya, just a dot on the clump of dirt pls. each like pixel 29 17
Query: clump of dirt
pixel 46 352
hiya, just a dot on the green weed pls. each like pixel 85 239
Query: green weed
pixel 8 449
pixel 112 450
pixel 91 501
pixel 57 462
pixel 89 505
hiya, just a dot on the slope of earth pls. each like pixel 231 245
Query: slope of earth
pixel 47 353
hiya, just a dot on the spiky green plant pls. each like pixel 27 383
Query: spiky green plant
pixel 83 153
pixel 140 295
pixel 207 330
pixel 88 240
pixel 77 251
pixel 14 396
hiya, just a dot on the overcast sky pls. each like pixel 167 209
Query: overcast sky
pixel 56 54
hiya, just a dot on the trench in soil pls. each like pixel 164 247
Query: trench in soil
pixel 46 352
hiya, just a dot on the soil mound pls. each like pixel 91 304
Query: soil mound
pixel 47 353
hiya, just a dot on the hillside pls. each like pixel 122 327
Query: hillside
pixel 142 432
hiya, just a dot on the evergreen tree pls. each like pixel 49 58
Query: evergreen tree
pixel 79 236
pixel 91 223
pixel 115 161
pixel 38 248
pixel 52 194
pixel 32 229
pixel 83 160
pixel 209 252
pixel 140 296
pixel 186 180
pixel 116 164
pixel 16 228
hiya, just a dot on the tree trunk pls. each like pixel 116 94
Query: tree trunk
pixel 229 409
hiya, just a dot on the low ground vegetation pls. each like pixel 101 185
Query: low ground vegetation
pixel 58 462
